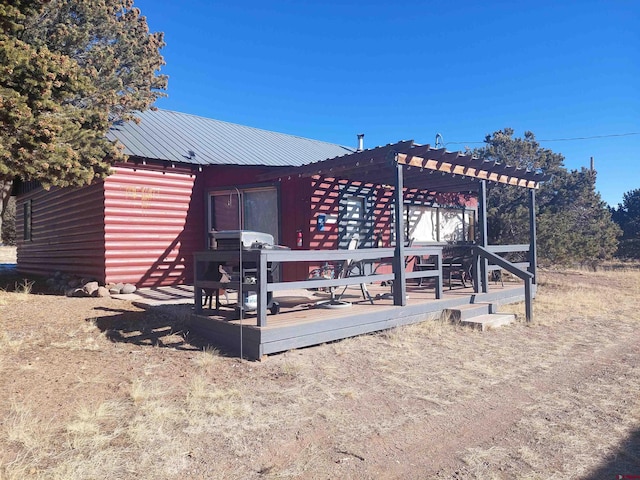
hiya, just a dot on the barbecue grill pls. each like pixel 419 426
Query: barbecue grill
pixel 246 240
pixel 236 239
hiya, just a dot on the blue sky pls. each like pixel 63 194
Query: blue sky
pixel 409 69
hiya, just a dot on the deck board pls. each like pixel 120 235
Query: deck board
pixel 301 323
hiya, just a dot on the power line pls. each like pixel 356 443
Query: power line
pixel 564 139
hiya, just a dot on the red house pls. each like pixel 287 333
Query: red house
pixel 150 222
pixel 187 175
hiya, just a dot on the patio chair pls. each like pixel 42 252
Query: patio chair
pixel 407 261
pixel 423 264
pixel 457 269
pixel 349 266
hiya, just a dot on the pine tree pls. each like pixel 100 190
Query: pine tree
pixel 627 216
pixel 68 69
pixel 574 224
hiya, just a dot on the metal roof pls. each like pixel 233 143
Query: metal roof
pixel 185 138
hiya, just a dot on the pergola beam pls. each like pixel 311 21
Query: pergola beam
pixel 420 163
pixel 448 167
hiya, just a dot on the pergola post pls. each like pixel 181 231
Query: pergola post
pixel 399 282
pixel 533 252
pixel 483 274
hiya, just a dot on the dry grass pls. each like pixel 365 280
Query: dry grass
pixel 96 388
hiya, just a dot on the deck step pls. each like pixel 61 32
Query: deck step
pixel 489 321
pixel 464 312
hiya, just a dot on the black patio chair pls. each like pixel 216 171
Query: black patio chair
pixel 457 270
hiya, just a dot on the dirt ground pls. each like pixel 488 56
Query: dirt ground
pixel 98 388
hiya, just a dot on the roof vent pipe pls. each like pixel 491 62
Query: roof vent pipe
pixel 360 142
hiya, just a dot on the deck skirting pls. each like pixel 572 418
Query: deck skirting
pixel 324 327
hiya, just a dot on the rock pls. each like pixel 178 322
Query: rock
pixel 90 287
pixel 78 292
pixel 114 291
pixel 101 292
pixel 128 288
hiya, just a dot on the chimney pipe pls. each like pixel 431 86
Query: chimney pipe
pixel 360 142
pixel 592 164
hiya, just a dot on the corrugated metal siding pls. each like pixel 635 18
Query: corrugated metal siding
pixel 167 135
pixel 152 227
pixel 67 232
pixel 295 215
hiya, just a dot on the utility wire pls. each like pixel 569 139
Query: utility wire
pixel 562 139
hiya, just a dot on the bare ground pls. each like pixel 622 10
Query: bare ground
pixel 97 388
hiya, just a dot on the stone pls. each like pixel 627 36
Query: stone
pixel 114 291
pixel 101 292
pixel 90 287
pixel 128 288
pixel 78 292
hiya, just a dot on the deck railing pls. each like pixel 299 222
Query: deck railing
pixel 363 269
pixel 486 259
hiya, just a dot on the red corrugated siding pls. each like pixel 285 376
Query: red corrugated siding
pixel 152 226
pixel 67 232
pixel 295 215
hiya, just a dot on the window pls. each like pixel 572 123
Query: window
pixel 258 210
pixel 356 216
pixel 422 223
pixel 439 224
pixel 451 228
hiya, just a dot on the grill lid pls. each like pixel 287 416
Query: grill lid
pixel 234 239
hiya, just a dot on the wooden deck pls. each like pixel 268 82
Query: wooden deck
pixel 302 322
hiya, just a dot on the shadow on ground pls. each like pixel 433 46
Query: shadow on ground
pixel 13 281
pixel 624 463
pixel 161 326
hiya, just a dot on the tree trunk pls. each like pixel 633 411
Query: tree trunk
pixel 5 194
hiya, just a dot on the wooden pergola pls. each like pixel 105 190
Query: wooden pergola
pixel 406 165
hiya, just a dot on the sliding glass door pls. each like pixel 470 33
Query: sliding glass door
pixel 247 209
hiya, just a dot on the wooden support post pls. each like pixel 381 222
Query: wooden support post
pixel 528 299
pixel 476 271
pixel 263 275
pixel 439 282
pixel 533 252
pixel 399 282
pixel 484 242
pixel 197 291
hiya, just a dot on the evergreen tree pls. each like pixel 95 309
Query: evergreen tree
pixel 574 224
pixel 68 69
pixel 627 216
